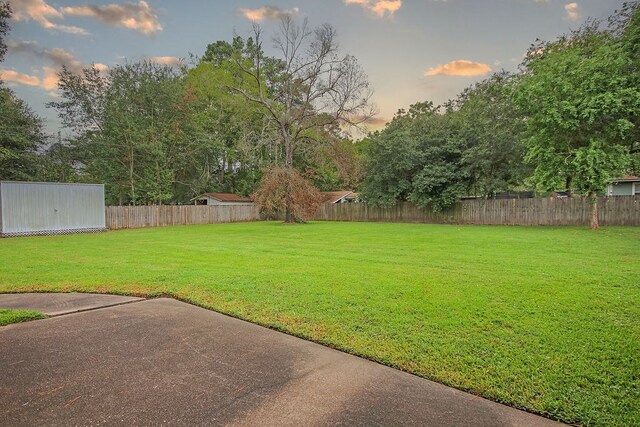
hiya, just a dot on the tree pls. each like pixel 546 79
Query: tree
pixel 5 15
pixel 285 188
pixel 21 130
pixel 128 126
pixel 308 88
pixel 235 142
pixel 417 157
pixel 21 136
pixel 494 132
pixel 625 26
pixel 581 102
pixel 59 163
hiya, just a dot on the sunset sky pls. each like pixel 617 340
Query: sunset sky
pixel 412 50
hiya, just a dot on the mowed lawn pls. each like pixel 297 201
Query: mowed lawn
pixel 541 318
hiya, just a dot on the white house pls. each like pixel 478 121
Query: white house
pixel 627 186
pixel 222 199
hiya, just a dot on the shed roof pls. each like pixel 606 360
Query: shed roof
pixel 334 196
pixel 225 197
pixel 628 178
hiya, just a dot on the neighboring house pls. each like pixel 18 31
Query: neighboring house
pixel 335 197
pixel 513 195
pixel 353 198
pixel 222 199
pixel 627 186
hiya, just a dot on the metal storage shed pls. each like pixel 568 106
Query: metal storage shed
pixel 42 208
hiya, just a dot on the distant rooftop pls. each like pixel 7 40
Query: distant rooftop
pixel 224 197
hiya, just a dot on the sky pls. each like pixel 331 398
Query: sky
pixel 412 50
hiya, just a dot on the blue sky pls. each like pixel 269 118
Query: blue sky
pixel 412 50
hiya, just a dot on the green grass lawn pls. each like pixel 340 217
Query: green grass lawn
pixel 541 318
pixel 8 316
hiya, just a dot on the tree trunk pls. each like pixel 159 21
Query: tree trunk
pixel 595 223
pixel 131 180
pixel 288 147
pixel 567 185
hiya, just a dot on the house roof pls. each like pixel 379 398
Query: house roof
pixel 334 196
pixel 224 197
pixel 628 178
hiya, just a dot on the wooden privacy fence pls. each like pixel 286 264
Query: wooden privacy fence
pixel 571 211
pixel 158 216
pixel 622 210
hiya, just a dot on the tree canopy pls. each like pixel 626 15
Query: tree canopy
pixel 582 101
pixel 239 120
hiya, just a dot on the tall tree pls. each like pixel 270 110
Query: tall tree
pixel 129 125
pixel 417 157
pixel 581 103
pixel 21 137
pixel 5 15
pixel 21 130
pixel 309 87
pixel 494 132
pixel 235 142
pixel 625 26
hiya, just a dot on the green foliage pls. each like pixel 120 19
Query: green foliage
pixel 434 157
pixel 494 131
pixel 128 128
pixel 21 136
pixel 21 130
pixel 572 114
pixel 597 165
pixel 5 15
pixel 59 163
pixel 234 142
pixel 581 103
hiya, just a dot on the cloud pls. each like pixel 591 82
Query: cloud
pixel 139 17
pixel 378 7
pixel 41 12
pixel 16 77
pixel 266 12
pixel 56 57
pixel 166 60
pixel 460 67
pixel 573 11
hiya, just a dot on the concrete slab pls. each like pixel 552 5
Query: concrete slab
pixel 166 362
pixel 56 304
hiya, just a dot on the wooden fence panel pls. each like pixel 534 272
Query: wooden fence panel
pixel 620 210
pixel 158 216
pixel 575 211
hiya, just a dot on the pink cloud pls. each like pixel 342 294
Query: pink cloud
pixel 461 67
pixel 139 17
pixel 378 7
pixel 573 11
pixel 43 13
pixel 16 77
pixel 266 12
pixel 166 60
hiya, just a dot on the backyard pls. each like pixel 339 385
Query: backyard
pixel 545 319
